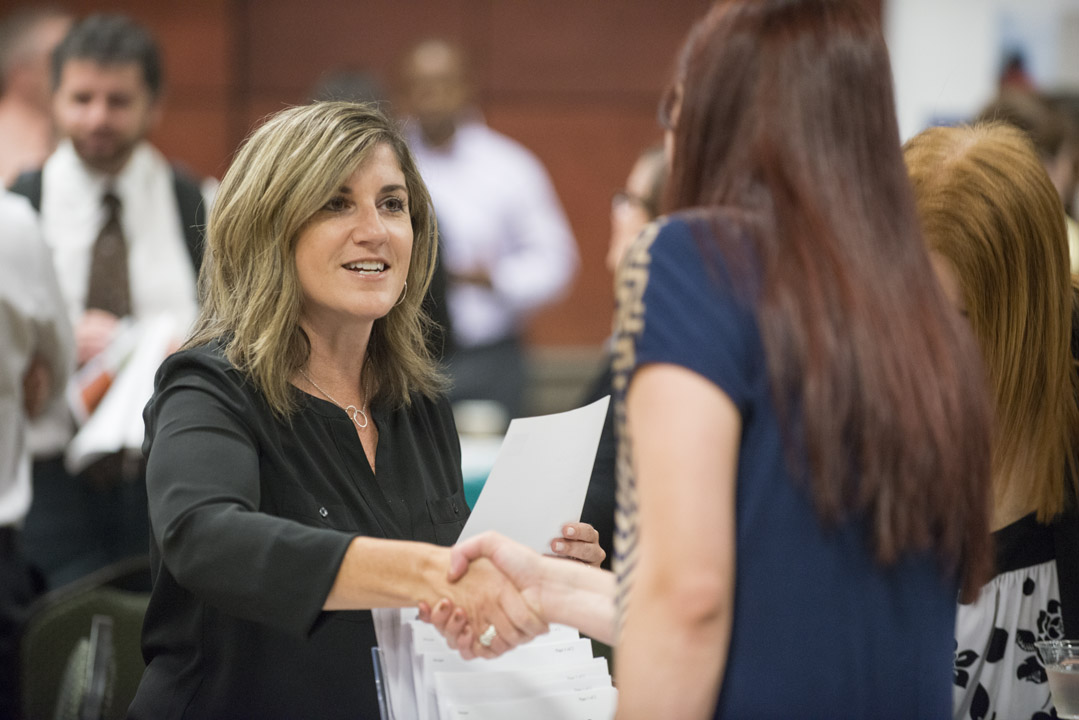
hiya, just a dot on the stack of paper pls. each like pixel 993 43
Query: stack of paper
pixel 537 484
pixel 108 394
pixel 554 676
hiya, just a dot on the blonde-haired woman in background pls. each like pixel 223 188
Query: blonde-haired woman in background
pixel 994 225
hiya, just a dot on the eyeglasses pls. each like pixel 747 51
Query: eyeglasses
pixel 624 197
pixel 667 103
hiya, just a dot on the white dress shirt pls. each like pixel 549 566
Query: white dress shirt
pixel 497 211
pixel 33 322
pixel 160 271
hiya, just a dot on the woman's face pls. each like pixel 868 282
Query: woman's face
pixel 670 109
pixel 352 257
pixel 629 211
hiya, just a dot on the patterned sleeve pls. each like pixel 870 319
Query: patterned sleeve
pixel 677 304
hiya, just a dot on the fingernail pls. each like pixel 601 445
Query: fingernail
pixel 559 546
pixel 570 530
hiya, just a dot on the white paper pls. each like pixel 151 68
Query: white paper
pixel 525 657
pixel 520 658
pixel 117 424
pixel 457 688
pixel 540 477
pixel 390 632
pixel 427 638
pixel 596 704
pixel 424 639
pixel 538 483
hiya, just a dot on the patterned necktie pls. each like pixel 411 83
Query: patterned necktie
pixel 109 285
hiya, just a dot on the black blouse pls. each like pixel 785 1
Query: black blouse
pixel 250 517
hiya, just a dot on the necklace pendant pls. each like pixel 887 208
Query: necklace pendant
pixel 353 412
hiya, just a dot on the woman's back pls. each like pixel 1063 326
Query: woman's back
pixel 818 624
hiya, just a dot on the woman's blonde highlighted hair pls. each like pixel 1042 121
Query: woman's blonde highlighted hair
pixel 987 206
pixel 250 293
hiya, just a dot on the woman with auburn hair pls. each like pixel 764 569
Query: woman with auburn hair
pixel 804 433
pixel 303 465
pixel 994 225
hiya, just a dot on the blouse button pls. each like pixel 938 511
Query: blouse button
pixel 323 512
pixel 456 510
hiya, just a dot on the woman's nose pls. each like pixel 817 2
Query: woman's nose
pixel 369 226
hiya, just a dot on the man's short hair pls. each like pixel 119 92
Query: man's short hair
pixel 110 40
pixel 17 35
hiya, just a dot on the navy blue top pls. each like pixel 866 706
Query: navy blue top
pixel 820 630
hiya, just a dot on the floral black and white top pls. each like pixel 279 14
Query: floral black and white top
pixel 997 671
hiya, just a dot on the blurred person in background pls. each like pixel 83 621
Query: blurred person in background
pixel 509 250
pixel 994 226
pixel 632 207
pixel 1056 139
pixel 27 39
pixel 125 230
pixel 361 86
pixel 803 469
pixel 36 357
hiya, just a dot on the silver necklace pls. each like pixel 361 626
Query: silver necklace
pixel 351 410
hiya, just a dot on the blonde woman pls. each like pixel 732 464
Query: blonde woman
pixel 994 225
pixel 302 462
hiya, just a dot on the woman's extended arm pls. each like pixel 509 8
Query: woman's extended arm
pixel 205 490
pixel 563 592
pixel 399 573
pixel 672 651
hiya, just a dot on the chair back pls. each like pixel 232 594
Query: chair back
pixel 95 629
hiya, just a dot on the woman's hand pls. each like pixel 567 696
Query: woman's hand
pixel 519 565
pixel 483 597
pixel 579 541
pixel 452 622
pixel 569 593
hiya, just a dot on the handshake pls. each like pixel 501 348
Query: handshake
pixel 501 594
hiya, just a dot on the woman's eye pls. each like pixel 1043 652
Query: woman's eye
pixel 395 204
pixel 336 204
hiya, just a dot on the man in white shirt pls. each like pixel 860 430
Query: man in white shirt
pixel 507 246
pixel 112 212
pixel 36 353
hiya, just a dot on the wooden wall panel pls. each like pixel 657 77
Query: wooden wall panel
pixel 576 81
pixel 590 51
pixel 196 136
pixel 293 43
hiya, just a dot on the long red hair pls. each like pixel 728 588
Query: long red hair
pixel 786 123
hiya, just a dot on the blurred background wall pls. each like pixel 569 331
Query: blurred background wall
pixel 947 55
pixel 576 81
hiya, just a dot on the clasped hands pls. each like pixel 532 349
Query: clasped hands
pixel 501 587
